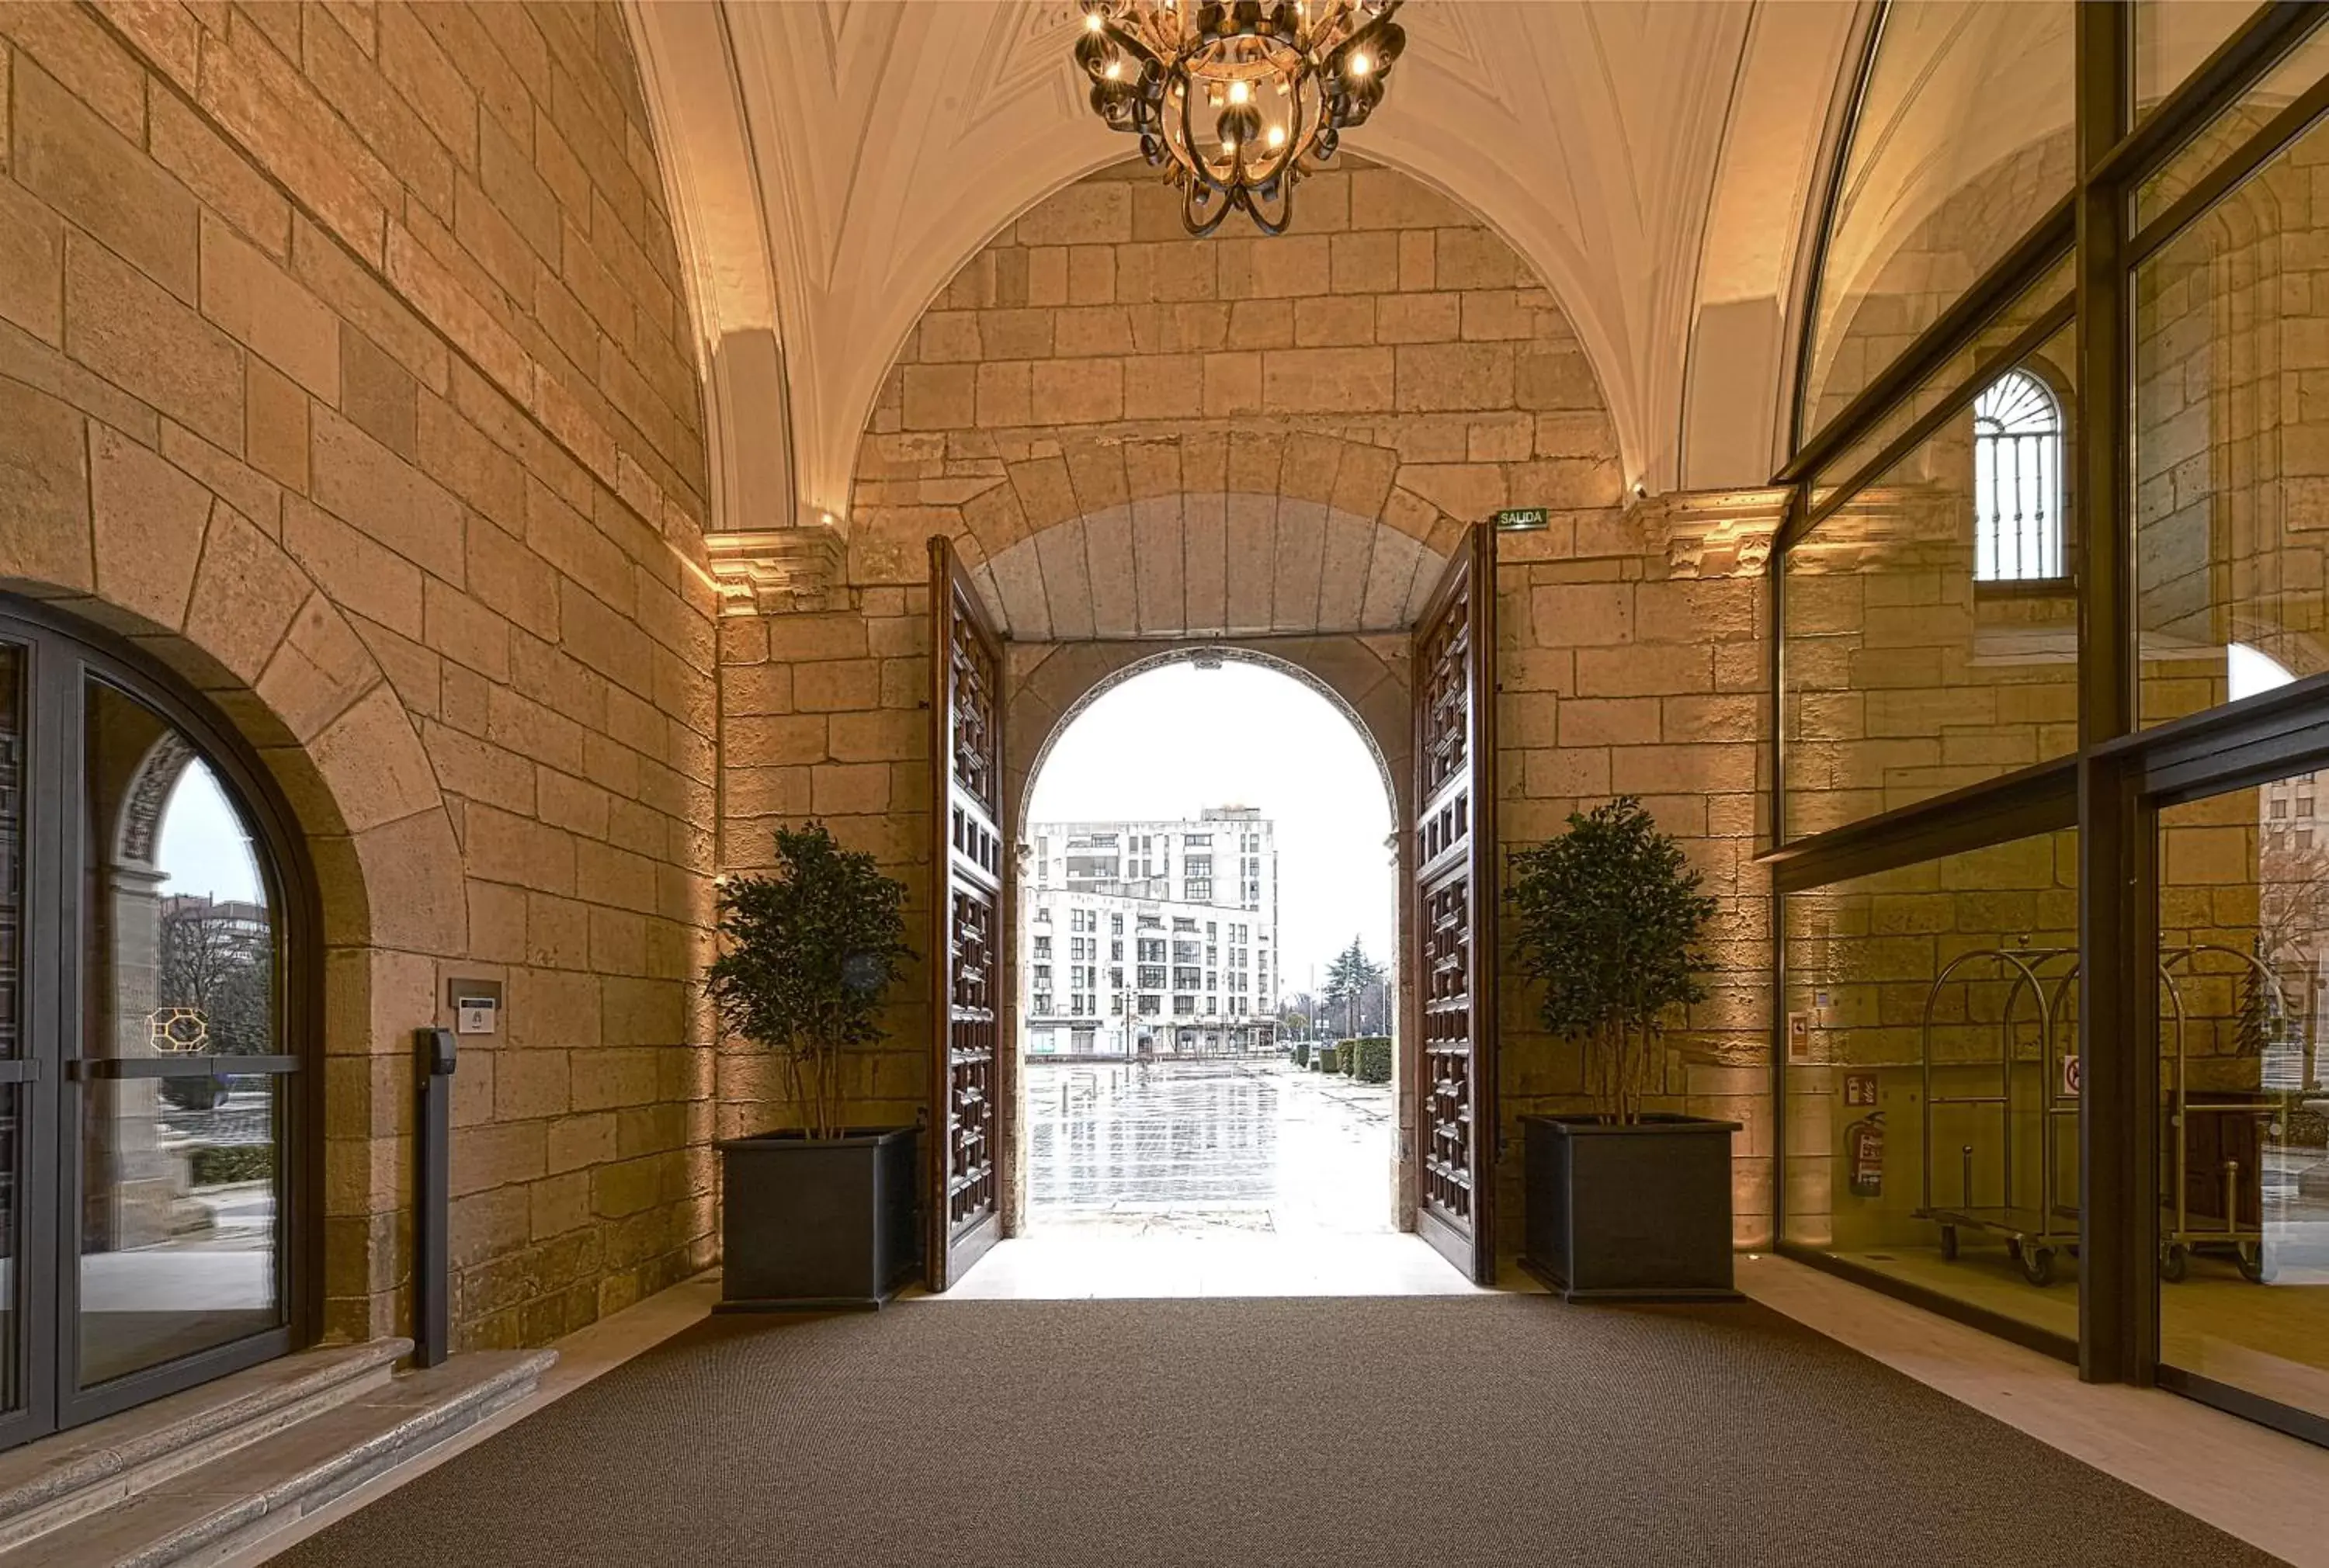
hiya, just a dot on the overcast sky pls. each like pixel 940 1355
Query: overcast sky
pixel 203 848
pixel 1166 743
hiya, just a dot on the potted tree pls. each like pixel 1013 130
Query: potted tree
pixel 1628 1201
pixel 819 1215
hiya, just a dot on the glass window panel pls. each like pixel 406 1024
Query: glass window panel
pixel 1960 143
pixel 1910 669
pixel 2172 37
pixel 181 1178
pixel 2297 69
pixel 1931 1130
pixel 2231 444
pixel 1948 380
pixel 2244 1146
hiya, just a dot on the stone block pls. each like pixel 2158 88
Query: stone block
pixel 1417 318
pixel 100 178
pixel 1581 615
pixel 148 519
pixel 1076 391
pixel 1232 385
pixel 182 142
pixel 940 397
pixel 31 265
pixel 392 501
pixel 245 595
pixel 134 334
pixel 374 756
pixel 1334 320
pixel 1434 377
pixel 1339 380
pixel 263 307
pixel 44 490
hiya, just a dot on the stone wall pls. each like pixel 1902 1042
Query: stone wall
pixel 344 365
pixel 1133 434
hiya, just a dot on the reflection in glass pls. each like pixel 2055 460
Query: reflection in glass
pixel 2278 88
pixel 2231 441
pixel 1908 671
pixel 2173 37
pixel 2244 1143
pixel 1931 1076
pixel 1961 142
pixel 13 1042
pixel 181 1177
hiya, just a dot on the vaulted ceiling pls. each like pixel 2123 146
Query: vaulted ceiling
pixel 833 163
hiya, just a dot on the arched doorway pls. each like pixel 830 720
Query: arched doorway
pixel 156 920
pixel 995 708
pixel 1207 833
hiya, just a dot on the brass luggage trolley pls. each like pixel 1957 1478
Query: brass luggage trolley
pixel 2183 1234
pixel 2034 1233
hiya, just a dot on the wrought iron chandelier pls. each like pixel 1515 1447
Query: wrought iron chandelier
pixel 1234 98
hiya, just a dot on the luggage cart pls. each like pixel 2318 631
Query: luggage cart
pixel 2181 1235
pixel 2034 1233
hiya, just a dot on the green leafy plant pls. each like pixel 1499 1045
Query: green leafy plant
pixel 1610 919
pixel 807 954
pixel 1370 1057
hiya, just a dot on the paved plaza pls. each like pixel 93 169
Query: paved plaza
pixel 1209 1144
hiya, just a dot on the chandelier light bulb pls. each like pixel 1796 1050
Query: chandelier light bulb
pixel 1321 66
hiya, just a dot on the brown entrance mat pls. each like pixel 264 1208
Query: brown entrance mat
pixel 1403 1431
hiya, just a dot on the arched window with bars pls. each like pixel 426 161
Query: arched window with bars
pixel 2017 486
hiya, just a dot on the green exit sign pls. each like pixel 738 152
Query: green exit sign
pixel 1521 519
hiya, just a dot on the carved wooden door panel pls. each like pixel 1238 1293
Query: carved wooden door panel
pixel 969 863
pixel 1453 944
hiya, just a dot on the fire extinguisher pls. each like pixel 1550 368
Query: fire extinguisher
pixel 1863 1143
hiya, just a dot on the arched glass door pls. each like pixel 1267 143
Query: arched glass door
pixel 148 1039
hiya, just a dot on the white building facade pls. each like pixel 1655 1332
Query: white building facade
pixel 1151 938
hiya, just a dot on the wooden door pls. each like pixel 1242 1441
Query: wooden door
pixel 969 863
pixel 1452 945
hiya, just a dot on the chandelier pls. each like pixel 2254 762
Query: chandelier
pixel 1234 97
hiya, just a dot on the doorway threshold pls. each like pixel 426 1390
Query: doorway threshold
pixel 1086 1262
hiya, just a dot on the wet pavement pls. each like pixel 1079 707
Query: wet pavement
pixel 1208 1144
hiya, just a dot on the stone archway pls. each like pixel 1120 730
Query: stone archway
pixel 162 561
pixel 1365 678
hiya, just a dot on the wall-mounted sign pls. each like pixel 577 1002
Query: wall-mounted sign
pixel 1799 1036
pixel 476 1005
pixel 1522 519
pixel 2072 1077
pixel 1860 1088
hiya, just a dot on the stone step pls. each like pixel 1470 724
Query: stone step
pixel 48 1484
pixel 227 1506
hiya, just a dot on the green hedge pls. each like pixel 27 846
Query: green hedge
pixel 1302 1053
pixel 215 1164
pixel 1369 1059
pixel 1324 1060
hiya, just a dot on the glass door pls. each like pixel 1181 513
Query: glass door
pixel 178 1078
pixel 145 1064
pixel 16 1068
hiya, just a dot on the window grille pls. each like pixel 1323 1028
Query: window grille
pixel 2017 463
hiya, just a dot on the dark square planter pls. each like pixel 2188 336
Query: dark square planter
pixel 810 1225
pixel 1639 1213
